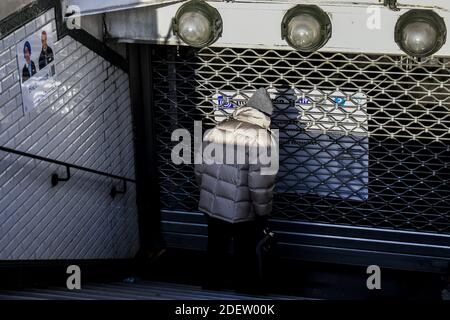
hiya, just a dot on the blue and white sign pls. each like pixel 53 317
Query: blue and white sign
pixel 335 112
pixel 333 157
pixel 324 145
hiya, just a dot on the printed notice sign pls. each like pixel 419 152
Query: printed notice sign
pixel 324 146
pixel 329 155
pixel 36 62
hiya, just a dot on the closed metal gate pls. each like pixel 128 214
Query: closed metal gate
pixel 364 149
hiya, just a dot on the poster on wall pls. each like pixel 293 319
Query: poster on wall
pixel 36 62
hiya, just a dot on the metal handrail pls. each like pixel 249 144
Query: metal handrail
pixel 55 179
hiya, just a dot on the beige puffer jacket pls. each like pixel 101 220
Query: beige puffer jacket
pixel 237 191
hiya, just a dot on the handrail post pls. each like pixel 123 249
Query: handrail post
pixel 56 179
pixel 114 191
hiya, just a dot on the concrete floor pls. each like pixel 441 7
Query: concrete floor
pixel 311 280
pixel 179 275
pixel 139 290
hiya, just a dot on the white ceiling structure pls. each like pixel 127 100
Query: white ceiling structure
pixel 94 7
pixel 256 23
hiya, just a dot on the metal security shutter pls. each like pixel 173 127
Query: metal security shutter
pixel 364 143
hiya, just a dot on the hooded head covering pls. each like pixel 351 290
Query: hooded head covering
pixel 27 45
pixel 260 100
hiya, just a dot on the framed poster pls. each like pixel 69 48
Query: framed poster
pixel 36 63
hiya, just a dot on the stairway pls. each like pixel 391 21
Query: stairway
pixel 140 290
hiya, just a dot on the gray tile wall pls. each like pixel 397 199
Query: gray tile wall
pixel 86 122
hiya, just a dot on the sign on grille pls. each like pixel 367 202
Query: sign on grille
pixel 325 111
pixel 323 140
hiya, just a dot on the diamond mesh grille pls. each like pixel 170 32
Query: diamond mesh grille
pixel 364 139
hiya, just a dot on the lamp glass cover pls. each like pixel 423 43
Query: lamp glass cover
pixel 194 28
pixel 419 37
pixel 303 31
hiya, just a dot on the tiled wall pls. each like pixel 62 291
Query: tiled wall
pixel 87 122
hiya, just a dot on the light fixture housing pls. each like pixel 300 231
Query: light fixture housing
pixel 306 28
pixel 420 33
pixel 197 23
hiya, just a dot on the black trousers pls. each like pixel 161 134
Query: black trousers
pixel 241 270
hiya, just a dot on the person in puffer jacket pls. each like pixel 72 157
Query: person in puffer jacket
pixel 236 188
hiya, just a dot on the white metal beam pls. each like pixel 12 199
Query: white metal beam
pixel 256 24
pixel 89 7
